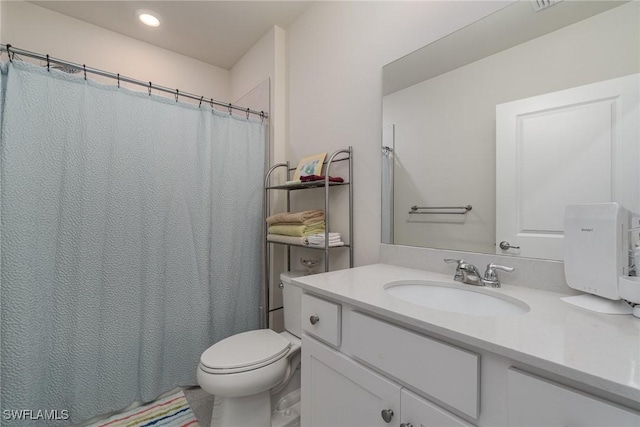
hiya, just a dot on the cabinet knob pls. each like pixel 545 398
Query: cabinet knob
pixel 406 425
pixel 314 319
pixel 387 414
pixel 281 285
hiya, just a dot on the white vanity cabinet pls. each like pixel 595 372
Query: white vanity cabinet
pixel 321 319
pixel 442 371
pixel 336 391
pixel 536 402
pixel 363 370
pixel 418 412
pixel 339 392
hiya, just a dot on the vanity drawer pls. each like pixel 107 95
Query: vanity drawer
pixel 321 319
pixel 445 372
pixel 533 401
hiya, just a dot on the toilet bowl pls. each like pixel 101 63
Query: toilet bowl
pixel 243 369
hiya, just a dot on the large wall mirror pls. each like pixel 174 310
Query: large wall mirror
pixel 489 133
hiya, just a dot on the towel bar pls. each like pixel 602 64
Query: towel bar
pixel 461 210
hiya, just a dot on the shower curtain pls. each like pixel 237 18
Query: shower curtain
pixel 130 239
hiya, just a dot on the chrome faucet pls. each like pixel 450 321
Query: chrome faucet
pixel 469 273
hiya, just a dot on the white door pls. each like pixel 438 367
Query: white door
pixel 337 392
pixel 574 146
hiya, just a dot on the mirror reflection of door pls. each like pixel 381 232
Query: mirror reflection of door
pixel 573 146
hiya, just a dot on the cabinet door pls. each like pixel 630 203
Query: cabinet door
pixel 418 412
pixel 536 402
pixel 337 392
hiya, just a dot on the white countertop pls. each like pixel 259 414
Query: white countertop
pixel 602 351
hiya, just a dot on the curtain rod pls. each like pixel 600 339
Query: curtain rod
pixel 12 51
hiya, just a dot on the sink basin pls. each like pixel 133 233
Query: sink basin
pixel 445 297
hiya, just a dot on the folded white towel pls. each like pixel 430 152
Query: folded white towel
pixel 317 240
pixel 321 245
pixel 321 236
pixel 321 241
pixel 331 243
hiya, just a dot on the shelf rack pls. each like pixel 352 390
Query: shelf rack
pixel 342 155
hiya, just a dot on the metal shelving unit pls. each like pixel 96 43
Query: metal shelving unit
pixel 342 155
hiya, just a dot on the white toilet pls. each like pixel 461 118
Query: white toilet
pixel 242 371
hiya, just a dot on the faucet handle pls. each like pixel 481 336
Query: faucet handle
pixel 490 275
pixel 459 276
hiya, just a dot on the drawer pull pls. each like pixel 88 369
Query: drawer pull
pixel 406 425
pixel 387 414
pixel 314 319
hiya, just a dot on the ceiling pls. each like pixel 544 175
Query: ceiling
pixel 216 32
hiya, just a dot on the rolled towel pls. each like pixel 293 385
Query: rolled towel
pixel 304 217
pixel 297 229
pixel 290 240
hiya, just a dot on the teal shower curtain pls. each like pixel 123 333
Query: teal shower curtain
pixel 130 241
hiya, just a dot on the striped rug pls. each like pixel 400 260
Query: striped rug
pixel 172 411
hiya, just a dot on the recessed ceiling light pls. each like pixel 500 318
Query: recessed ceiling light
pixel 147 18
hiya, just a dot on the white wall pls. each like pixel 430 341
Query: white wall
pixel 445 126
pixel 336 51
pixel 264 65
pixel 265 61
pixel 40 30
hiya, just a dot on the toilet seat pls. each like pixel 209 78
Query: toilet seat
pixel 244 352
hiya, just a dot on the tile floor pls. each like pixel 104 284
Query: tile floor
pixel 201 404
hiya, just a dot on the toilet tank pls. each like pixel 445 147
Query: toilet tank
pixel 292 303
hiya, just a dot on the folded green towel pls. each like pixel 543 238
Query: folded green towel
pixel 298 230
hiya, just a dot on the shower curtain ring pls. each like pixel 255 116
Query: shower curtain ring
pixel 84 67
pixel 118 80
pixel 9 53
pixel 211 102
pixel 248 113
pixel 149 88
pixel 177 93
pixel 262 116
pixel 48 63
pixel 229 108
pixel 201 98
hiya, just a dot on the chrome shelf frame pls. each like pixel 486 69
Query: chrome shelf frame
pixel 341 155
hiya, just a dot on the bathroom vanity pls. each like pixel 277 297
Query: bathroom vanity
pixel 371 358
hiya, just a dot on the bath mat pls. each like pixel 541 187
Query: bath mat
pixel 172 411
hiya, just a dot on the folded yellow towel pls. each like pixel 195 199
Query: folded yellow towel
pixel 305 217
pixel 290 240
pixel 299 230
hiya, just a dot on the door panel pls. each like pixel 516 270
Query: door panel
pixel 337 392
pixel 574 146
